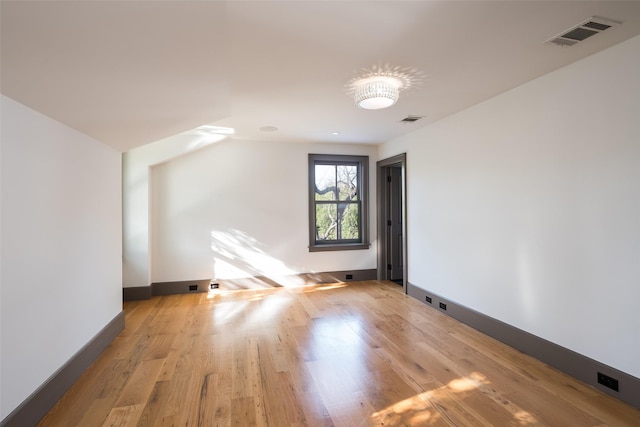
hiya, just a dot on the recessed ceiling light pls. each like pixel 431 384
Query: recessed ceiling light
pixel 268 128
pixel 335 133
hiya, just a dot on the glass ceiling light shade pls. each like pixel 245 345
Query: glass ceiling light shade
pixel 380 86
pixel 377 94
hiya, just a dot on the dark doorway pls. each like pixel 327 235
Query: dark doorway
pixel 391 193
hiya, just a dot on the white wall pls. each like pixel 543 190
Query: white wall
pixel 61 247
pixel 135 206
pixel 239 209
pixel 527 206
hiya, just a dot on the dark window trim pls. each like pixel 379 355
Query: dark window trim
pixel 363 183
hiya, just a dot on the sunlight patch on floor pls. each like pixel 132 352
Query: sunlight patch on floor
pixel 269 308
pixel 228 310
pixel 260 293
pixel 414 411
pixel 471 382
pixel 419 410
pixel 323 287
pixel 524 418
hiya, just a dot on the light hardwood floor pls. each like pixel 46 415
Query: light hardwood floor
pixel 357 354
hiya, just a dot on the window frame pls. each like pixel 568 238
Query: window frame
pixel 362 163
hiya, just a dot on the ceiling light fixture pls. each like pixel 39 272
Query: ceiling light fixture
pixel 378 93
pixel 380 86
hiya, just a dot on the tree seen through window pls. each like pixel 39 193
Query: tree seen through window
pixel 337 201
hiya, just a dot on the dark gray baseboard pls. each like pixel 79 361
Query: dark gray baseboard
pixel 340 276
pixel 202 285
pixel 183 287
pixel 136 294
pixel 165 288
pixel 561 358
pixel 42 400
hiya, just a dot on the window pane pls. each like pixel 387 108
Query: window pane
pixel 325 177
pixel 338 202
pixel 349 214
pixel 347 182
pixel 326 221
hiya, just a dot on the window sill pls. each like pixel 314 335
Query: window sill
pixel 339 247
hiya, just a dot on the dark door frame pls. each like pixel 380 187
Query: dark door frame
pixel 382 199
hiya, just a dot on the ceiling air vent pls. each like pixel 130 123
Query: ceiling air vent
pixel 410 119
pixel 583 31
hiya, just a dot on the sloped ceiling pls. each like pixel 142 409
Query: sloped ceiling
pixel 132 72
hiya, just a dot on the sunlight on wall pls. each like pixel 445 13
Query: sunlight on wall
pixel 226 270
pixel 136 216
pixel 238 255
pixel 204 140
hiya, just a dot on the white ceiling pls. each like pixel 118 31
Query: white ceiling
pixel 133 72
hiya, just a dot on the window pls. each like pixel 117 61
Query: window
pixel 338 209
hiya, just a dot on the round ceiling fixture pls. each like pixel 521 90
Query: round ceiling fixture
pixel 377 94
pixel 379 87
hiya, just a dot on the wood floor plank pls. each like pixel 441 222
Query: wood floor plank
pixel 214 407
pixel 171 406
pixel 123 416
pixel 97 412
pixel 331 355
pixel 152 411
pixel 139 386
pixel 342 397
pixel 315 411
pixel 244 408
pixel 139 315
pixel 241 366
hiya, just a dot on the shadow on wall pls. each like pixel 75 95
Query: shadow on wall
pixel 240 263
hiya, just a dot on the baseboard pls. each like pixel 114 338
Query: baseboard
pixel 203 285
pixel 183 287
pixel 578 366
pixel 339 276
pixel 136 294
pixel 42 400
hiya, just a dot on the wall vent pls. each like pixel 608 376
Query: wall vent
pixel 583 31
pixel 410 119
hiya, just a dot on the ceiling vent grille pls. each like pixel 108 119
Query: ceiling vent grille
pixel 583 31
pixel 410 119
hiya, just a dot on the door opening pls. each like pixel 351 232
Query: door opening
pixel 391 201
